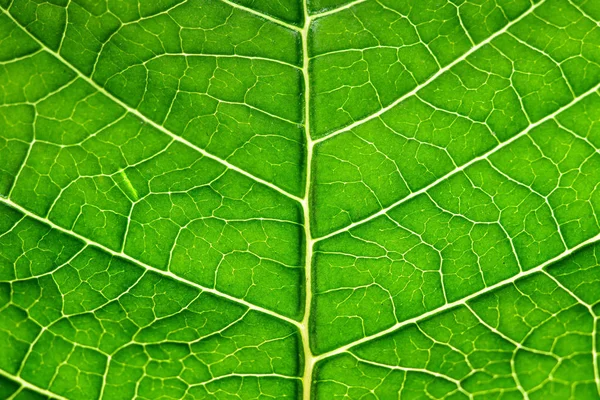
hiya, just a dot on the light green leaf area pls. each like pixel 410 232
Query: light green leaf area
pixel 303 199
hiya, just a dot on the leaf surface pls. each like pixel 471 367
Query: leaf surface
pixel 241 199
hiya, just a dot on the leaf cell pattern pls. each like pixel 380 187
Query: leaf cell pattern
pixel 318 199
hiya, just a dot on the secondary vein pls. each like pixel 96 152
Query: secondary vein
pixel 148 120
pixel 127 257
pixel 440 72
pixel 456 303
pixel 462 167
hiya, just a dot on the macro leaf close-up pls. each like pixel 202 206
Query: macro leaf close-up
pixel 300 199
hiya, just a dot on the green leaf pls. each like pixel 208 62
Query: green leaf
pixel 240 199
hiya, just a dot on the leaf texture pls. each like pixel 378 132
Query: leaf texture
pixel 317 199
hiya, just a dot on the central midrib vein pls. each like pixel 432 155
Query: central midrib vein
pixel 309 359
